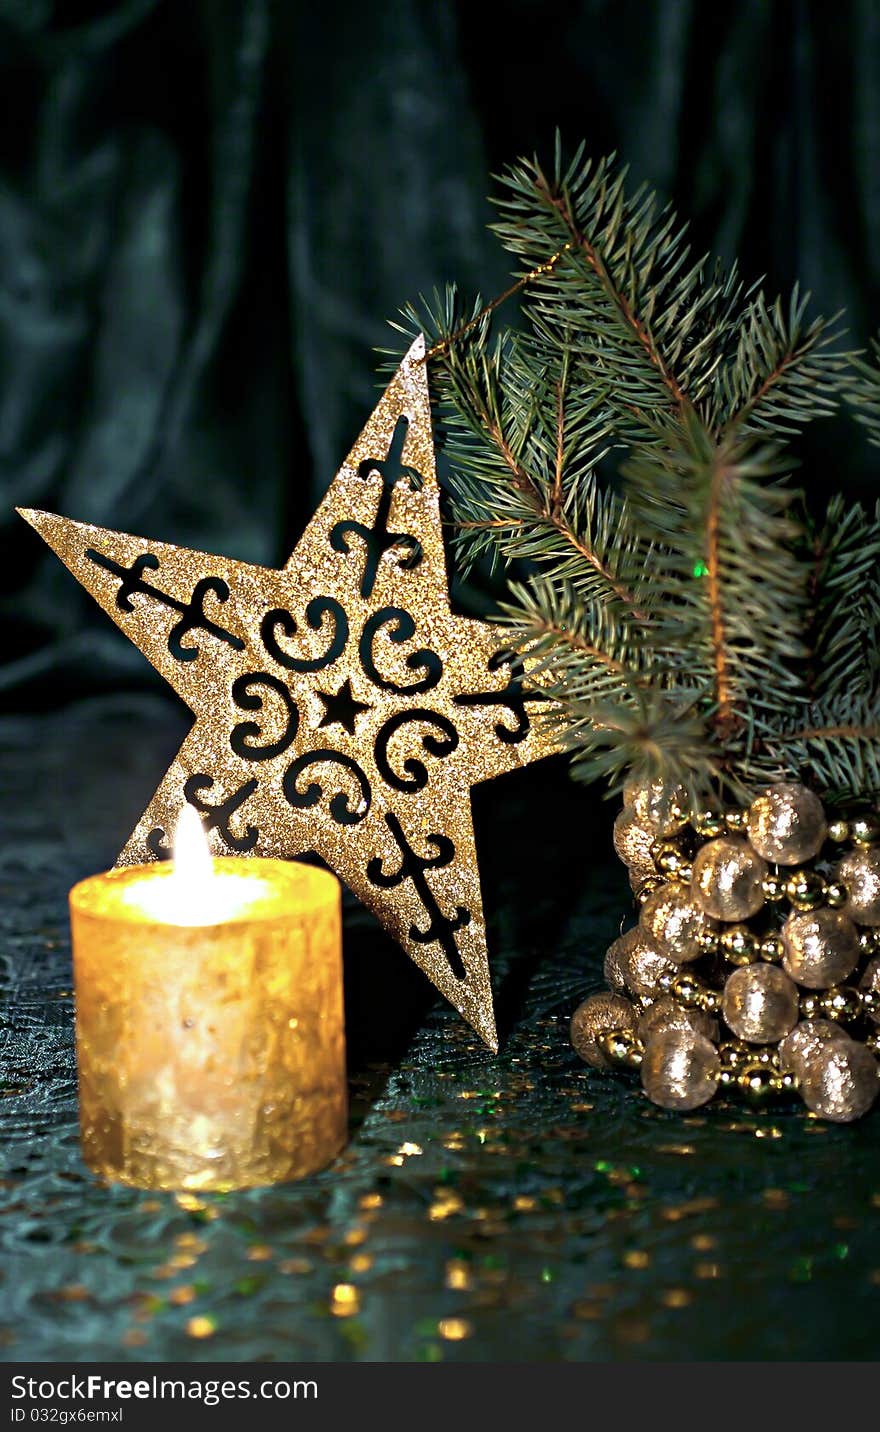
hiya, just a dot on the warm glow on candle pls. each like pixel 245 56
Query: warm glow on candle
pixel 195 891
pixel 210 1036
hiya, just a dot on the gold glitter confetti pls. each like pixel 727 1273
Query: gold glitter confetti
pixel 190 1203
pixel 708 1270
pixel 201 1327
pixel 637 1258
pixel 370 1201
pixel 345 1300
pixel 410 1150
pixel 73 1293
pixel 454 1329
pixel 703 1242
pixel 295 1265
pixel 340 707
pixel 445 1204
pixel 361 1263
pixel 676 1298
pixel 259 1253
pixel 183 1295
pixel 190 1242
pixel 776 1198
pixel 458 1275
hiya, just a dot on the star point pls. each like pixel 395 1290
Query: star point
pixel 362 606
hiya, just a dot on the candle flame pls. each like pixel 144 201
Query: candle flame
pixel 192 854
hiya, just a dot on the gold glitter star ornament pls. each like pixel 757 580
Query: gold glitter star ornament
pixel 340 706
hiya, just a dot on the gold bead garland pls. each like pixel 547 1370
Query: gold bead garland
pixel 756 960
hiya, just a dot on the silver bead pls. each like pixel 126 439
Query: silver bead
pixel 870 981
pixel 666 1013
pixel 786 824
pixel 860 873
pixel 615 959
pixel 728 879
pixel 632 842
pixel 821 948
pixel 760 1003
pixel 637 965
pixel 663 808
pixel 598 1015
pixel 801 1044
pixel 841 1080
pixel 672 924
pixel 680 1069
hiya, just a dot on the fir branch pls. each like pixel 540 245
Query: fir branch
pixel 692 630
pixel 862 391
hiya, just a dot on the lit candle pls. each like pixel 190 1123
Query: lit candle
pixel 209 1019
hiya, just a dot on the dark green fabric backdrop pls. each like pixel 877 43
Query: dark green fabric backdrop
pixel 208 211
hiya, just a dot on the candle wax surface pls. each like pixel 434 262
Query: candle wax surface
pixel 210 1023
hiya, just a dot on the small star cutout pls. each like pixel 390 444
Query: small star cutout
pixel 342 709
pixel 362 603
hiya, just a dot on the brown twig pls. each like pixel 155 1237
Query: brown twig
pixel 725 718
pixel 557 494
pixel 824 733
pixel 533 495
pixel 637 327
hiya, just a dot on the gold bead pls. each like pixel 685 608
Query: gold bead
pixel 736 820
pixel 811 1005
pixel 688 990
pixel 842 1003
pixel 666 980
pixel 787 1081
pixel 836 895
pixel 772 949
pixel 668 857
pixel 708 824
pixel 755 1081
pixel 710 1001
pixel 869 942
pixel 600 1015
pixel 773 886
pixel 621 1047
pixel 865 830
pixel 805 889
pixel 708 941
pixel 738 945
pixel 733 1052
pixel 684 874
pixel 872 1042
pixel 838 831
pixel 648 887
pixel 871 1001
